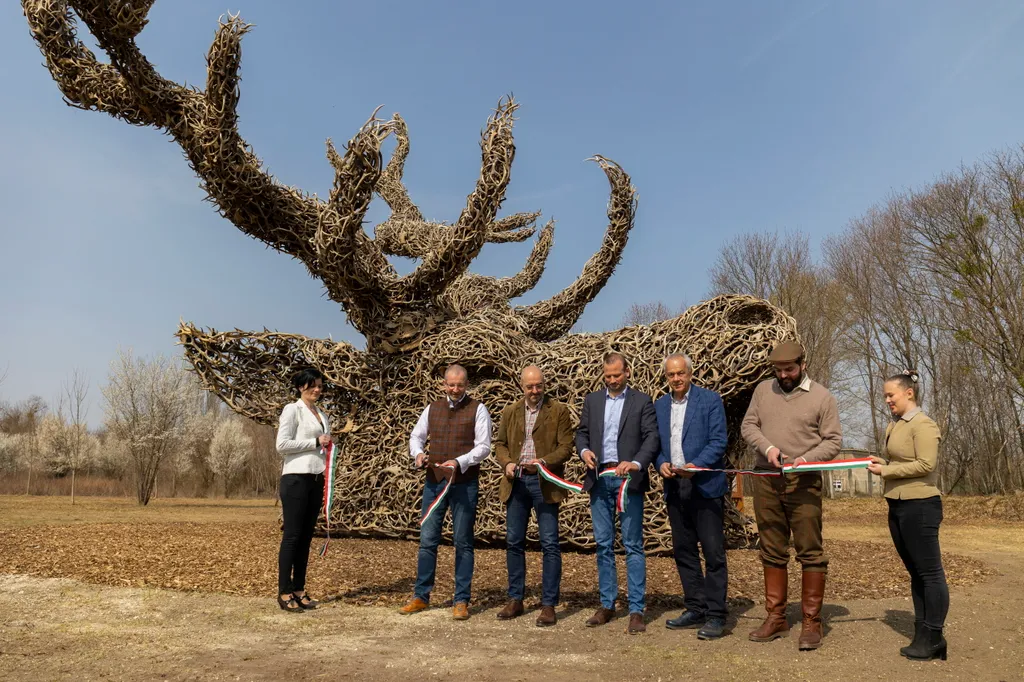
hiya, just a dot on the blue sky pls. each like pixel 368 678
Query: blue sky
pixel 730 116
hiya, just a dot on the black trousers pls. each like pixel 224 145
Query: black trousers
pixel 914 525
pixel 302 495
pixel 695 519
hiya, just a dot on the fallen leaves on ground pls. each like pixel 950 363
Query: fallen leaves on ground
pixel 241 558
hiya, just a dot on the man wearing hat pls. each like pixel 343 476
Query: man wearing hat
pixel 791 420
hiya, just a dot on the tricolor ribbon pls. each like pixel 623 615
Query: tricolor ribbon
pixel 554 479
pixel 328 453
pixel 620 498
pixel 803 467
pixel 440 496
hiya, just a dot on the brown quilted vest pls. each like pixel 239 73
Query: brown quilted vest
pixel 451 432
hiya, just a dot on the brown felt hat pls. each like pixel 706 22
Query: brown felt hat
pixel 787 351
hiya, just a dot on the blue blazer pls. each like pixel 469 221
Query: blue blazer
pixel 704 438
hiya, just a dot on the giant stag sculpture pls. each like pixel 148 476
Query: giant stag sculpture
pixel 416 324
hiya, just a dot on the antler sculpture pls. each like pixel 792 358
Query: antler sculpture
pixel 415 325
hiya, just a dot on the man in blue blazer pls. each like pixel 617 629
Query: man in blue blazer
pixel 691 424
pixel 618 437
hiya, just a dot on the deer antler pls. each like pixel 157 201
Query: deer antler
pixel 547 320
pixel 462 242
pixel 405 232
pixel 474 292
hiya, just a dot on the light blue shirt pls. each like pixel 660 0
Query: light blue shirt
pixel 612 414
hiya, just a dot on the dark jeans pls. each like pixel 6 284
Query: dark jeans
pixel 462 501
pixel 914 525
pixel 526 495
pixel 696 519
pixel 302 495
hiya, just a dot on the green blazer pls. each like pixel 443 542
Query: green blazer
pixel 552 439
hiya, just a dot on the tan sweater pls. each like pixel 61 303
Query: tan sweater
pixel 912 448
pixel 802 423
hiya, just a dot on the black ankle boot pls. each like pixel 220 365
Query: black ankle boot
pixel 931 646
pixel 918 637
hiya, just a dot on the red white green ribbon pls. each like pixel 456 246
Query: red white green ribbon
pixel 801 468
pixel 859 463
pixel 621 497
pixel 328 493
pixel 440 496
pixel 554 479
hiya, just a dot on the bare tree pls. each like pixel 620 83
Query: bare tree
pixel 72 410
pixel 146 409
pixel 778 267
pixel 647 313
pixel 229 450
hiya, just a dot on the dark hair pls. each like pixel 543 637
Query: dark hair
pixel 305 377
pixel 908 379
pixel 611 356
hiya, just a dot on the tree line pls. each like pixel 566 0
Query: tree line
pixel 157 421
pixel 931 279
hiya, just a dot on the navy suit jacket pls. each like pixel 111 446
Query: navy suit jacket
pixel 704 439
pixel 638 435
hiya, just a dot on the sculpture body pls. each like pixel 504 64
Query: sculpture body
pixel 414 325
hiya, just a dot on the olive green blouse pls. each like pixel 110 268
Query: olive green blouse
pixel 912 449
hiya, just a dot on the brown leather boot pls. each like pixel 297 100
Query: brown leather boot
pixel 513 609
pixel 547 617
pixel 776 583
pixel 812 593
pixel 414 605
pixel 600 617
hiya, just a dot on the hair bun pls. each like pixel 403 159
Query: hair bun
pixel 911 374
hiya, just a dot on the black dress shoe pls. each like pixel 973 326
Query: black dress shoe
pixel 686 619
pixel 305 602
pixel 713 629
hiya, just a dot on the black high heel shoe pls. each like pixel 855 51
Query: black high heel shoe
pixel 290 605
pixel 305 602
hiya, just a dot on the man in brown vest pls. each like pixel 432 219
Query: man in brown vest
pixel 535 429
pixel 459 430
pixel 791 420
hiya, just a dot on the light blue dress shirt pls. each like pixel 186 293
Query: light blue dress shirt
pixel 612 414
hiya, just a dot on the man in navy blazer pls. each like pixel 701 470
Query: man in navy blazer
pixel 618 437
pixel 691 424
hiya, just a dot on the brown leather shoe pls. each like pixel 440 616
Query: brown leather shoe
pixel 776 584
pixel 812 593
pixel 414 605
pixel 547 617
pixel 513 609
pixel 460 611
pixel 636 624
pixel 600 617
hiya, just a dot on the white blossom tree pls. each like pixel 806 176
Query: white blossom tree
pixel 147 404
pixel 229 450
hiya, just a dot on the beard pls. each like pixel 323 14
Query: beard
pixel 788 385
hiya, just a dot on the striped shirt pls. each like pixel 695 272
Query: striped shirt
pixel 529 453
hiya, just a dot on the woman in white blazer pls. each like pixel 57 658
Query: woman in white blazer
pixel 302 435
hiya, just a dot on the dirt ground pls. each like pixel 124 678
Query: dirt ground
pixel 54 628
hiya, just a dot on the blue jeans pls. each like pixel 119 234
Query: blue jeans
pixel 602 514
pixel 462 501
pixel 526 494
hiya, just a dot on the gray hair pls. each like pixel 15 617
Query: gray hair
pixel 676 356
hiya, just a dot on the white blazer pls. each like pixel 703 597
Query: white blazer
pixel 297 435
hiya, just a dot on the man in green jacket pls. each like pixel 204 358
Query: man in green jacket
pixel 533 430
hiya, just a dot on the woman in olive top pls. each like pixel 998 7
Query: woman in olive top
pixel 915 511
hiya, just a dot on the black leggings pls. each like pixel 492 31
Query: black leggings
pixel 301 498
pixel 914 525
